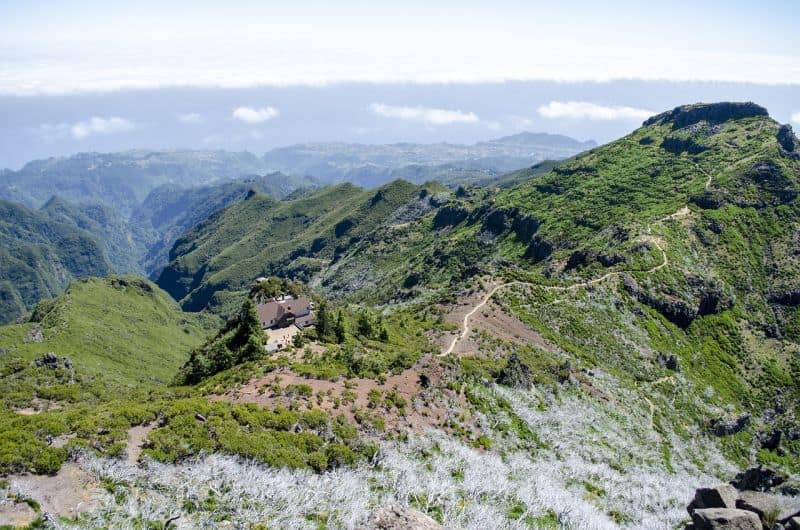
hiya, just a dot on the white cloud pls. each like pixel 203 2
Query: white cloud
pixel 591 111
pixel 796 117
pixel 191 118
pixel 99 125
pixel 427 115
pixel 251 115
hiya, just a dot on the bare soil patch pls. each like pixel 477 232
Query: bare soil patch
pixel 137 436
pixel 68 493
pixel 421 411
pixel 15 514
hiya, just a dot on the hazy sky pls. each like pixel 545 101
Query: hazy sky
pixel 111 75
pixel 51 46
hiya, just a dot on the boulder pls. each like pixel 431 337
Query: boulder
pixel 719 496
pixel 396 517
pixel 51 361
pixel 670 362
pixel 729 426
pixel 758 479
pixel 769 506
pixel 793 523
pixel 725 519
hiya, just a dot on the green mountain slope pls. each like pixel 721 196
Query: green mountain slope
pixel 168 211
pixel 39 256
pixel 121 330
pixel 673 242
pixel 260 236
pixel 122 242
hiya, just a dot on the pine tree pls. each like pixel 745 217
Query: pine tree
pixel 365 326
pixel 324 323
pixel 339 328
pixel 250 330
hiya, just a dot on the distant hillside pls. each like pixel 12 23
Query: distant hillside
pixel 262 236
pixel 121 180
pixel 39 255
pixel 372 165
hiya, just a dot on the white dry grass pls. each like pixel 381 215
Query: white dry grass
pixel 589 441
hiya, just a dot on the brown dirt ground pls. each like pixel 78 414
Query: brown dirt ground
pixel 15 514
pixel 136 439
pixel 68 493
pixel 422 411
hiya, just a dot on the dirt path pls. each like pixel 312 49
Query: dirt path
pixel 136 438
pixel 465 327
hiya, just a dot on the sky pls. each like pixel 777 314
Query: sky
pixel 110 75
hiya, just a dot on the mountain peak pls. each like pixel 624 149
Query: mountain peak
pixel 686 115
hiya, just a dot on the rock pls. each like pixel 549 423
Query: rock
pixel 719 496
pixel 713 113
pixel 51 361
pixel 538 249
pixel 35 334
pixel 788 141
pixel 396 517
pixel 758 479
pixel 450 215
pixel 670 362
pixel 583 257
pixel 498 221
pixel 793 523
pixel 768 506
pixel 725 519
pixel 729 426
pixel 676 145
pixel 772 440
pixel 787 298
pixel 525 226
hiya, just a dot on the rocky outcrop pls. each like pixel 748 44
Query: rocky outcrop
pixel 729 426
pixel 525 227
pixel 788 142
pixel 538 249
pixel 787 298
pixel 713 113
pixel 725 519
pixel 758 479
pixel 449 215
pixel 396 517
pixel 769 505
pixel 35 334
pixel 723 507
pixel 709 298
pixel 51 361
pixel 677 145
pixel 774 186
pixel 498 221
pixel 719 496
pixel 581 258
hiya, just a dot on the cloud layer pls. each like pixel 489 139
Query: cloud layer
pixel 796 117
pixel 430 116
pixel 253 115
pixel 99 125
pixel 582 110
